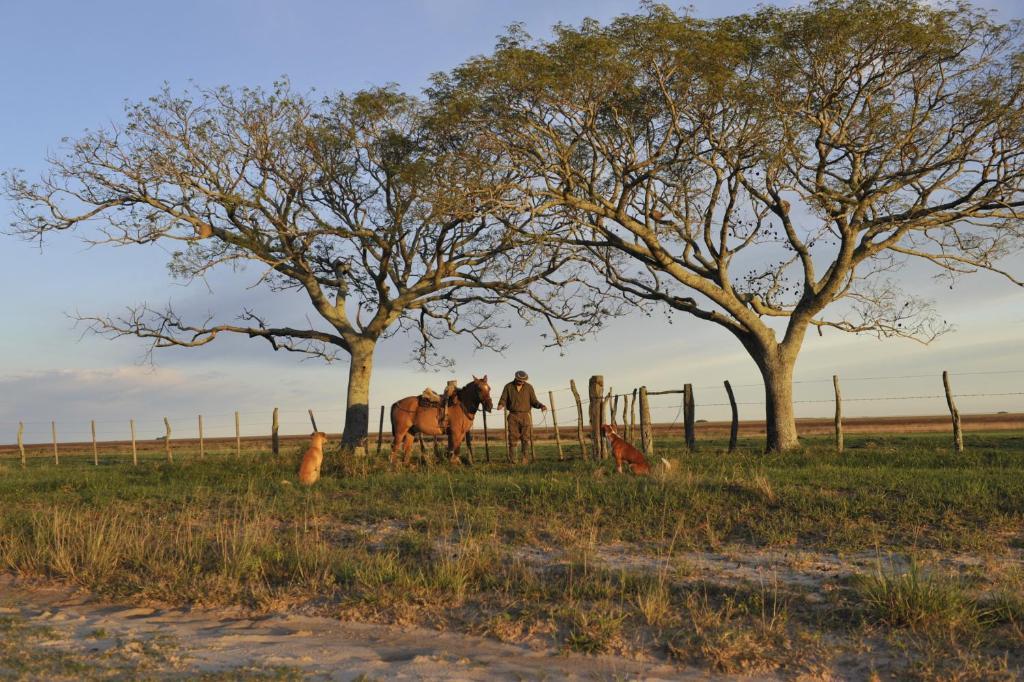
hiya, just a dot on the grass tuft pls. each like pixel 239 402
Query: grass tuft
pixel 915 599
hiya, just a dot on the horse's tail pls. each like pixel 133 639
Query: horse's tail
pixel 394 424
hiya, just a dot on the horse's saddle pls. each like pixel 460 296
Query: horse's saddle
pixel 429 399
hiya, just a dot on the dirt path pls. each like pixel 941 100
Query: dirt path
pixel 60 633
pixel 108 640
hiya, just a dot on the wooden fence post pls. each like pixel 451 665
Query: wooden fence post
pixel 238 436
pixel 487 439
pixel 167 440
pixel 275 435
pixel 380 431
pixel 605 410
pixel 958 436
pixel 21 444
pixel 646 433
pixel 579 419
pixel 839 414
pixel 734 428
pixel 95 452
pixel 689 418
pixel 312 419
pixel 615 410
pixel 596 395
pixel 135 452
pixel 202 443
pixel 632 417
pixel 53 428
pixel 554 421
pixel 508 443
pixel 605 407
pixel 625 414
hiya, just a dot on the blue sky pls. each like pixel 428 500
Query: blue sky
pixel 68 66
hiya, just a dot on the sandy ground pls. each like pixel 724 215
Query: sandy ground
pixel 803 570
pixel 183 642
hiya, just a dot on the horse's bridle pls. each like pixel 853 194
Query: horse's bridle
pixel 471 413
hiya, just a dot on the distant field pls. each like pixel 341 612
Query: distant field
pixel 898 556
pixel 704 430
pixel 1002 421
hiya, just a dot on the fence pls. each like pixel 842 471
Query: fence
pixel 633 409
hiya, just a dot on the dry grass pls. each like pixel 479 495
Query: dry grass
pixel 471 550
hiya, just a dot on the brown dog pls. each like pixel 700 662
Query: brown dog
pixel 624 452
pixel 309 471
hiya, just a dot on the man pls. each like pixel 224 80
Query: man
pixel 519 398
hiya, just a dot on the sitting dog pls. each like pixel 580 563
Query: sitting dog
pixel 624 452
pixel 309 470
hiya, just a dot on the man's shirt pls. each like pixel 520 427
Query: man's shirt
pixel 520 400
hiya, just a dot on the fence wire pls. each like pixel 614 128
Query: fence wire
pixel 257 423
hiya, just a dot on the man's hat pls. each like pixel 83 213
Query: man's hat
pixel 522 375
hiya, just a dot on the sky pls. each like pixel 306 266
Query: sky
pixel 69 66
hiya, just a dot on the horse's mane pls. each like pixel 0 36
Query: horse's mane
pixel 469 394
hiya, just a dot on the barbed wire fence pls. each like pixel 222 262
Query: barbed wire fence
pixel 637 411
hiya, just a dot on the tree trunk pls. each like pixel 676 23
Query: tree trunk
pixel 357 409
pixel 780 420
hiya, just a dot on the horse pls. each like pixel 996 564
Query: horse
pixel 453 415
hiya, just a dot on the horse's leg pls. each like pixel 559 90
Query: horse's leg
pixel 407 448
pixel 455 425
pixel 396 440
pixel 401 421
pixel 469 443
pixel 454 440
pixel 396 445
pixel 423 450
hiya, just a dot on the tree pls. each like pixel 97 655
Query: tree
pixel 764 172
pixel 384 219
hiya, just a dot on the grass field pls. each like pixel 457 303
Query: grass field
pixel 897 557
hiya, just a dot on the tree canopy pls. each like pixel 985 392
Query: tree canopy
pixel 385 219
pixel 767 172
